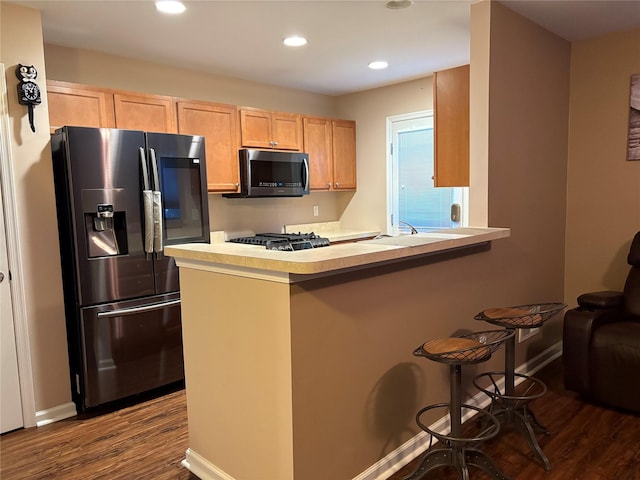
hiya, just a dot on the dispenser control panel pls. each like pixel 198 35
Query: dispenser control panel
pixel 105 210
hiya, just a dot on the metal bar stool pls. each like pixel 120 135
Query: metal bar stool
pixel 460 451
pixel 511 409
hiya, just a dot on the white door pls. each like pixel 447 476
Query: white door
pixel 414 200
pixel 10 400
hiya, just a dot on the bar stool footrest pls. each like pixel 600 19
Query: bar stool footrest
pixel 491 430
pixel 533 389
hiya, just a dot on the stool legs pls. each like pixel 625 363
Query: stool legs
pixel 511 413
pixel 456 454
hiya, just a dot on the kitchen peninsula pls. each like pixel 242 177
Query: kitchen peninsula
pixel 286 352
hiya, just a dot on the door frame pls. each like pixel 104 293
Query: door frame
pixel 18 297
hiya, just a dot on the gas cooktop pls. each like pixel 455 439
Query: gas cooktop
pixel 284 241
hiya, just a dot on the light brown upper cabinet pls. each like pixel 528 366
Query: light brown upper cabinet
pixel 79 105
pixel 151 113
pixel 331 145
pixel 218 123
pixel 451 114
pixel 271 130
pixel 344 154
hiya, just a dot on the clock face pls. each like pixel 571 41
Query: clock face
pixel 31 91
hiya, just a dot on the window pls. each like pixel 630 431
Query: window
pixel 413 198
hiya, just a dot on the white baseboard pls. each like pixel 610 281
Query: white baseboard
pixel 50 415
pixel 417 445
pixel 202 468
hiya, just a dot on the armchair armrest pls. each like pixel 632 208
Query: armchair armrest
pixel 597 300
pixel 579 325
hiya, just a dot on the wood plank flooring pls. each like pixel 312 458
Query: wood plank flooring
pixel 587 442
pixel 144 441
pixel 148 441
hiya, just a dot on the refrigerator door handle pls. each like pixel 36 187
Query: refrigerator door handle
pixel 157 205
pixel 147 205
pixel 135 310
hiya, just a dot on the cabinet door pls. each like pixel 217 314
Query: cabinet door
pixel 75 105
pixel 150 113
pixel 317 143
pixel 255 128
pixel 451 114
pixel 344 154
pixel 219 125
pixel 286 129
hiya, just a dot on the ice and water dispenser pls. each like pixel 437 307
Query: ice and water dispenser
pixel 105 222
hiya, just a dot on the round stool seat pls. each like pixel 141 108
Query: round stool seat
pixel 521 316
pixel 509 407
pixel 460 449
pixel 465 349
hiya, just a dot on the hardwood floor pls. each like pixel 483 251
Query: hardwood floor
pixel 144 441
pixel 587 442
pixel 148 441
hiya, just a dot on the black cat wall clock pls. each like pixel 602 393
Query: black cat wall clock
pixel 28 89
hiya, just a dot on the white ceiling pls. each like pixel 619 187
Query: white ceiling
pixel 243 39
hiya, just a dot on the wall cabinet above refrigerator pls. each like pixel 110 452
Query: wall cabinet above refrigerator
pixel 78 105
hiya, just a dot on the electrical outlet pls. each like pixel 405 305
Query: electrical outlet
pixel 526 333
pixel 315 210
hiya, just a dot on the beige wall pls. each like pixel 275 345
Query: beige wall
pixel 603 207
pixel 527 156
pixel 100 69
pixel 479 114
pixel 353 336
pixel 370 110
pixel 21 42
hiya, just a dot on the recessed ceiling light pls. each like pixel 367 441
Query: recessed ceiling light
pixel 295 41
pixel 398 4
pixel 170 6
pixel 378 65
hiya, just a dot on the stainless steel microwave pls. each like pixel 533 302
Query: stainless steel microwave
pixel 268 173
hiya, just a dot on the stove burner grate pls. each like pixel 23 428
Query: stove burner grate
pixel 284 241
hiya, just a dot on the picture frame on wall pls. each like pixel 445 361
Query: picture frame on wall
pixel 633 142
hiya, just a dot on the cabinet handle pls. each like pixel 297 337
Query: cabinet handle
pixel 329 184
pixel 274 143
pixel 337 185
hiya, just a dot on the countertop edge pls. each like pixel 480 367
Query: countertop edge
pixel 252 261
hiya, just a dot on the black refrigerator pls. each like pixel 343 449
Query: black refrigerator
pixel 121 196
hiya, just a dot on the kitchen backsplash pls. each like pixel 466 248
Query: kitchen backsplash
pixel 272 214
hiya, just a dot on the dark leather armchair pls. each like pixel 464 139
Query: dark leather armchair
pixel 601 342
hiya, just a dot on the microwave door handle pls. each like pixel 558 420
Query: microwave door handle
pixel 147 205
pixel 157 205
pixel 305 163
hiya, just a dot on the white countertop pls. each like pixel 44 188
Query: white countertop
pixel 357 254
